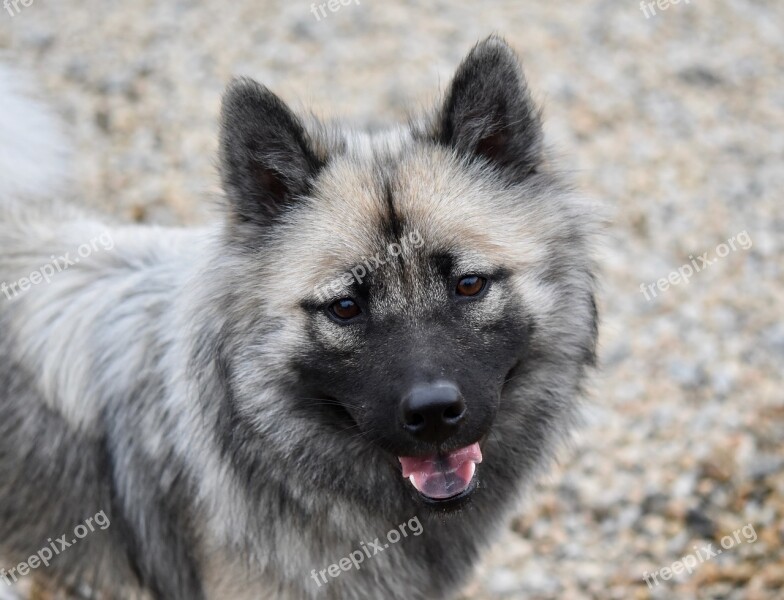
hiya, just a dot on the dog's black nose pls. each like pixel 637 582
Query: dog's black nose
pixel 433 411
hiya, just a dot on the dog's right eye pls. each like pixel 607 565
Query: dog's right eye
pixel 470 285
pixel 345 309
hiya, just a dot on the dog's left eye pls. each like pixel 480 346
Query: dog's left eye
pixel 345 309
pixel 471 285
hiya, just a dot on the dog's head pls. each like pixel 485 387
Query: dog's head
pixel 426 292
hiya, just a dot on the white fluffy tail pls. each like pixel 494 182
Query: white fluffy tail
pixel 33 149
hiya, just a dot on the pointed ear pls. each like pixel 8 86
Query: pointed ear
pixel 265 158
pixel 488 111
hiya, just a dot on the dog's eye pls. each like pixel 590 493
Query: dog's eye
pixel 470 285
pixel 345 309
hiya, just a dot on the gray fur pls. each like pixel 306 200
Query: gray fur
pixel 164 381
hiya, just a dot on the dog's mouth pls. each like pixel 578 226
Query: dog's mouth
pixel 443 476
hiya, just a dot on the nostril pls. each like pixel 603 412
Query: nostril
pixel 454 412
pixel 414 421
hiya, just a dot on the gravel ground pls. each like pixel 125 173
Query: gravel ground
pixel 674 120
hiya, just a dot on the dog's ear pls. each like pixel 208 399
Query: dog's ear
pixel 488 111
pixel 266 161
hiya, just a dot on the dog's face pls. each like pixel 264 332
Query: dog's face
pixel 415 275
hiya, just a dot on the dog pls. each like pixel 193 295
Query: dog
pixel 386 333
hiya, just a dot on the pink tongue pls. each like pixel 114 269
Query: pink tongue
pixel 442 476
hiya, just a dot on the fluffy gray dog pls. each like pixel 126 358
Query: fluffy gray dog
pixel 339 391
